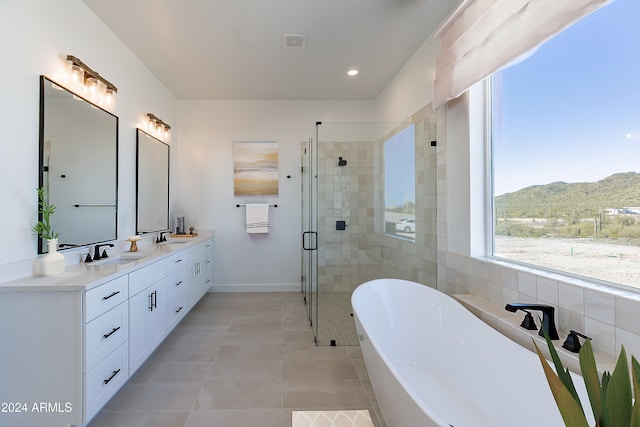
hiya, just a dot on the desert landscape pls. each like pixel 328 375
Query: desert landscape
pixel 597 258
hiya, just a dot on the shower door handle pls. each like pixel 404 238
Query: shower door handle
pixel 314 241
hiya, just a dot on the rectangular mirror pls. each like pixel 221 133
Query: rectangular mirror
pixel 152 184
pixel 78 167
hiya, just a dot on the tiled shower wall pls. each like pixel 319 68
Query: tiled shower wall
pixel 346 193
pixel 354 194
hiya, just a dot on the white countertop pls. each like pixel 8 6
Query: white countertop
pixel 84 276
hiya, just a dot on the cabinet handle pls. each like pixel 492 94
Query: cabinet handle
pixel 153 303
pixel 208 261
pixel 113 331
pixel 180 260
pixel 108 380
pixel 179 283
pixel 208 280
pixel 179 310
pixel 110 296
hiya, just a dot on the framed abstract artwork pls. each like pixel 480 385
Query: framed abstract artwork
pixel 255 168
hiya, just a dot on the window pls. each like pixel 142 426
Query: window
pixel 400 183
pixel 566 151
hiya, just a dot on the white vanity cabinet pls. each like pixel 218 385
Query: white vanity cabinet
pixel 202 272
pixel 68 343
pixel 106 342
pixel 147 308
pixel 64 353
pixel 178 282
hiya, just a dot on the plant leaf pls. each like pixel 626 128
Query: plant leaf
pixel 591 380
pixel 561 371
pixel 618 398
pixel 570 409
pixel 635 412
pixel 603 397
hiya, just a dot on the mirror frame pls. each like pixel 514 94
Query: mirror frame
pixel 140 132
pixel 42 168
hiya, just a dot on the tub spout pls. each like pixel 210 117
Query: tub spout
pixel 548 320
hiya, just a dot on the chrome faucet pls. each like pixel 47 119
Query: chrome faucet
pixel 548 320
pixel 96 252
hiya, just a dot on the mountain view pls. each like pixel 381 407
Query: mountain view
pixel 609 208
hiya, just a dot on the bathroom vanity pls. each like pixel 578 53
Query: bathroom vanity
pixel 69 342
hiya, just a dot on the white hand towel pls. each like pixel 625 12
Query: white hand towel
pixel 257 218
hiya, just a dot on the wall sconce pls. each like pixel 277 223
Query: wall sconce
pixel 91 85
pixel 156 127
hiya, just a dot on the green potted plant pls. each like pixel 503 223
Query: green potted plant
pixel 613 400
pixel 43 228
pixel 53 262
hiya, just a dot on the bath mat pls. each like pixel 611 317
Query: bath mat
pixel 359 418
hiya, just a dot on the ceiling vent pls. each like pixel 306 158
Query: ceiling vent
pixel 294 40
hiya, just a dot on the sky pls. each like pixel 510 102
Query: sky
pixel 399 157
pixel 571 111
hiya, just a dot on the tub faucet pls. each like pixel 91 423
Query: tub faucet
pixel 548 321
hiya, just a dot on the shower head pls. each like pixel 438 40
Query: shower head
pixel 341 162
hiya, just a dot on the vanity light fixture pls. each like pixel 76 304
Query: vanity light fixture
pixel 91 85
pixel 158 128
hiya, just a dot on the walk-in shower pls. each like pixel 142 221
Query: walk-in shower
pixel 369 217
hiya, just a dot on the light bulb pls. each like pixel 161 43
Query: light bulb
pixel 91 86
pixel 110 98
pixel 76 77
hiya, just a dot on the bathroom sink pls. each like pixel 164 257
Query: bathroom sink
pixel 117 260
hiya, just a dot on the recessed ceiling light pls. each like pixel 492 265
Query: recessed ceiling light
pixel 352 72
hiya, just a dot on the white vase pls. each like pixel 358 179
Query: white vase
pixel 52 262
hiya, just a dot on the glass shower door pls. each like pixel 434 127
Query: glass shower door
pixel 351 216
pixel 309 231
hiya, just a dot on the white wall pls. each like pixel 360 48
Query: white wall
pixel 36 36
pixel 412 88
pixel 204 193
pixel 204 188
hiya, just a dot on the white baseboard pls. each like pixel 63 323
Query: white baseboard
pixel 256 287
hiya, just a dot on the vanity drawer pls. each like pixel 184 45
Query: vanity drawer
pixel 177 282
pixel 104 334
pixel 104 297
pixel 103 381
pixel 146 276
pixel 178 260
pixel 176 309
pixel 203 248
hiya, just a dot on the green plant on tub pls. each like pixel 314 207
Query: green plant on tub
pixel 612 399
pixel 43 228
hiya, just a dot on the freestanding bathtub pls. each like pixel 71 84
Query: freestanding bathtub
pixel 433 363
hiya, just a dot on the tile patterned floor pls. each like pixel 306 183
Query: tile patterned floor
pixel 335 321
pixel 241 360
